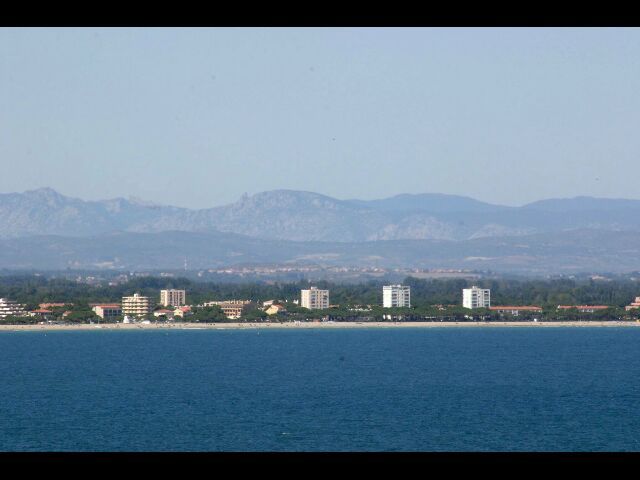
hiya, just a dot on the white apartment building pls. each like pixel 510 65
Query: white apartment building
pixel 396 296
pixel 173 298
pixel 9 307
pixel 476 297
pixel 314 299
pixel 136 306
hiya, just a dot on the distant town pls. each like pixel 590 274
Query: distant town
pixel 436 302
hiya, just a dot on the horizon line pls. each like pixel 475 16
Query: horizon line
pixel 151 203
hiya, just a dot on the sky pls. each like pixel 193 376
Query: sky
pixel 196 117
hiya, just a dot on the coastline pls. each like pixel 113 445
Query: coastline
pixel 308 325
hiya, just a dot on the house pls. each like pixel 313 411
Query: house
pixel 275 309
pixel 41 312
pixel 163 311
pixel 182 311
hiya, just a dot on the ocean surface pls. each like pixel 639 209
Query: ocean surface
pixel 417 389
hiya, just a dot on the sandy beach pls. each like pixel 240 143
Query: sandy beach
pixel 308 325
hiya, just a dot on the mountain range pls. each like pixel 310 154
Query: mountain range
pixel 44 229
pixel 307 216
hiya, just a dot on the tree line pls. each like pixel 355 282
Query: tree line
pixel 32 290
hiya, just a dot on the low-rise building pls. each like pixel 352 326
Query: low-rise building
pixel 584 308
pixel 634 305
pixel 52 305
pixel 41 312
pixel 395 318
pixel 231 308
pixel 163 311
pixel 107 311
pixel 182 311
pixel 11 308
pixel 515 311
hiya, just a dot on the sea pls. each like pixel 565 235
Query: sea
pixel 330 390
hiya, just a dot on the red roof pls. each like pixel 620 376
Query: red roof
pixel 108 305
pixel 41 310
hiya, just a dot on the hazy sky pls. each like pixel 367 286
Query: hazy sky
pixel 197 117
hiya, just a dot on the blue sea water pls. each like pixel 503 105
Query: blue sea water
pixel 435 389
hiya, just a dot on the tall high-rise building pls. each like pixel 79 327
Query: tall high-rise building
pixel 172 297
pixel 136 306
pixel 476 297
pixel 315 299
pixel 396 296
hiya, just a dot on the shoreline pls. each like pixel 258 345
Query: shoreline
pixel 308 325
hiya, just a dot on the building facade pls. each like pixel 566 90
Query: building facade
pixel 516 310
pixel 584 308
pixel 232 309
pixel 396 296
pixel 476 297
pixel 182 311
pixel 173 298
pixel 52 305
pixel 108 311
pixel 11 308
pixel 43 313
pixel 275 308
pixel 136 306
pixel 314 299
pixel 634 305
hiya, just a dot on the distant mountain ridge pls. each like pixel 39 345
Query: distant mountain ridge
pixel 310 217
pixel 571 252
pixel 429 202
